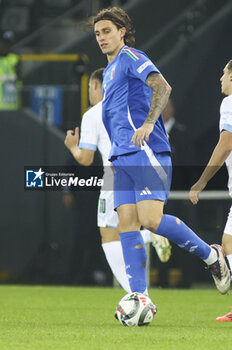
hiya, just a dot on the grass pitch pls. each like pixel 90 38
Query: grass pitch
pixel 60 318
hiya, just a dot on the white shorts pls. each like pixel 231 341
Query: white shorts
pixel 228 227
pixel 106 217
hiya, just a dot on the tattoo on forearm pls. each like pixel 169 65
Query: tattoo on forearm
pixel 160 96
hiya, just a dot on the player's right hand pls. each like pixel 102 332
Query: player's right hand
pixel 195 191
pixel 142 134
pixel 72 138
pixel 194 196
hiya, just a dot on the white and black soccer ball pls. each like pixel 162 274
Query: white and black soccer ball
pixel 135 309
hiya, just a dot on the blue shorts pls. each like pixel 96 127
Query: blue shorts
pixel 140 176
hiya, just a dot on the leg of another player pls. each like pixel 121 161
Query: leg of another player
pixel 133 247
pixel 227 247
pixel 112 248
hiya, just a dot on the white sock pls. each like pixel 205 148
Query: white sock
pixel 212 258
pixel 114 257
pixel 146 235
pixel 146 292
pixel 229 259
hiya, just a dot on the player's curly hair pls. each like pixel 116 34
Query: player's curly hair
pixel 121 19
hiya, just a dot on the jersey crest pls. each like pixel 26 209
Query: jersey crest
pixel 112 72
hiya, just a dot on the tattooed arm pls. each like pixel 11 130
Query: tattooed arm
pixel 160 95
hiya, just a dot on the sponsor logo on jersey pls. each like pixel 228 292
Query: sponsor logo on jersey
pixel 145 192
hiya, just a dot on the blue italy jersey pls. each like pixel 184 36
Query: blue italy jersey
pixel 127 100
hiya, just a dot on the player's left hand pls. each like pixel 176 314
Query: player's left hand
pixel 195 192
pixel 142 134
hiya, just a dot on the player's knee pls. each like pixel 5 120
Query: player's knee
pixel 127 226
pixel 109 234
pixel 151 223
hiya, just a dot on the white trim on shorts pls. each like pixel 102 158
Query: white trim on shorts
pixel 106 215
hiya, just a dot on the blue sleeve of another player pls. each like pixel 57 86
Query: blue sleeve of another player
pixel 138 65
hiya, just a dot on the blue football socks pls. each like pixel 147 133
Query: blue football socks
pixel 175 230
pixel 135 258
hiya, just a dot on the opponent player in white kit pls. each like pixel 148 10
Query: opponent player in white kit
pixel 221 153
pixel 93 136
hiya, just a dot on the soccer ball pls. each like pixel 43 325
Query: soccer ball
pixel 135 309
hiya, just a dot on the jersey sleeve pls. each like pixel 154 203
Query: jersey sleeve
pixel 226 114
pixel 88 139
pixel 138 65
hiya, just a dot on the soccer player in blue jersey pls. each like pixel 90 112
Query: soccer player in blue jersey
pixel 134 96
pixel 93 135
